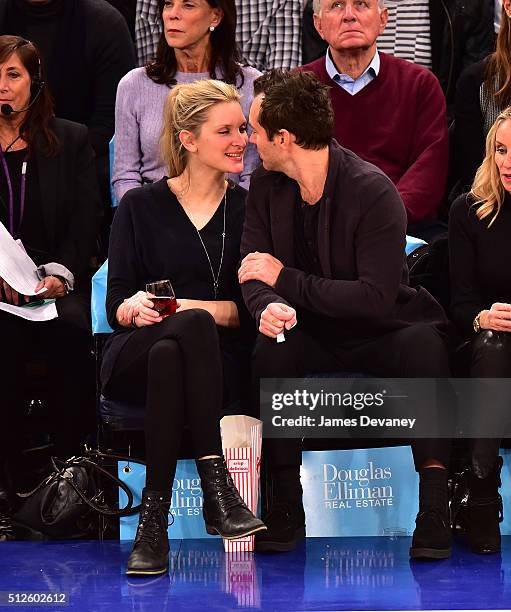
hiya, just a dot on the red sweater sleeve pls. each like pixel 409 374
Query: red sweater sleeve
pixel 422 186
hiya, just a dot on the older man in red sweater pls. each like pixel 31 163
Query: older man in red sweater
pixel 389 111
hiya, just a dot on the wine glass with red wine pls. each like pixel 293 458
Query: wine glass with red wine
pixel 163 297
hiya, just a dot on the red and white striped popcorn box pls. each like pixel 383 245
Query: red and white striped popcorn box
pixel 241 579
pixel 241 441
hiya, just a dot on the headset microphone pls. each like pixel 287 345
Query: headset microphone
pixel 37 81
pixel 7 109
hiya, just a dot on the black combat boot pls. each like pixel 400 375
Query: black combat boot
pixel 432 536
pixel 150 554
pixel 225 513
pixel 484 510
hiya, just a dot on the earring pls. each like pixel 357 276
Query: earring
pixel 211 28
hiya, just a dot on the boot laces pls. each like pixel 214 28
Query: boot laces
pixel 437 516
pixel 228 494
pixel 433 503
pixel 154 518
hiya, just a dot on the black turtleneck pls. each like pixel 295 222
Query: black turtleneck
pixel 39 23
pixel 40 9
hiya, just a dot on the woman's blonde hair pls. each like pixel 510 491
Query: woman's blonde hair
pixel 186 108
pixel 487 189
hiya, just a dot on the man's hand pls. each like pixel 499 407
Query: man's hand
pixel 55 288
pixel 275 318
pixel 498 318
pixel 260 266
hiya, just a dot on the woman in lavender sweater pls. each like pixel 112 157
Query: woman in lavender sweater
pixel 197 42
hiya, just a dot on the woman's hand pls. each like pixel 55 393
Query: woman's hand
pixel 137 311
pixel 55 288
pixel 10 295
pixel 498 318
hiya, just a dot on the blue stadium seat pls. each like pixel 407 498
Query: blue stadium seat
pixel 111 149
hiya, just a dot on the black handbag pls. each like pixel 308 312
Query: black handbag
pixel 428 267
pixel 68 503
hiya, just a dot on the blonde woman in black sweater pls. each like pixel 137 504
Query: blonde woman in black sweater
pixel 480 261
pixel 186 228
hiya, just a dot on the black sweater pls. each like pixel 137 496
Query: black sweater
pixel 480 260
pixel 152 239
pixel 362 291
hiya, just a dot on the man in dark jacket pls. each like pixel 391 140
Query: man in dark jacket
pixel 87 49
pixel 323 264
pixel 460 33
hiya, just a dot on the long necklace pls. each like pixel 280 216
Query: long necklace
pixel 215 278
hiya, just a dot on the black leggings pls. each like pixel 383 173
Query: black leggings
pixel 176 367
pixel 417 351
pixel 490 358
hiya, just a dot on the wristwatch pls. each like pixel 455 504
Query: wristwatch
pixel 476 324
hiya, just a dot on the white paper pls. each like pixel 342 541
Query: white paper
pixel 16 267
pixel 281 338
pixel 43 312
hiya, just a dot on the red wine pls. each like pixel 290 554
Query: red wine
pixel 165 306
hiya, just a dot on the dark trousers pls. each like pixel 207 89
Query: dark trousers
pixel 417 351
pixel 175 367
pixel 63 346
pixel 490 358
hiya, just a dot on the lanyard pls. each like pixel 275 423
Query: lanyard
pixel 11 196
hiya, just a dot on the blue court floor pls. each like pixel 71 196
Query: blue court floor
pixel 324 574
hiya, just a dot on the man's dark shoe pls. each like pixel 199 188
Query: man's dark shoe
pixel 225 513
pixel 286 528
pixel 150 554
pixel 432 536
pixel 485 511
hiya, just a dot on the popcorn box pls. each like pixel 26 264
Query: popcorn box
pixel 241 441
pixel 241 579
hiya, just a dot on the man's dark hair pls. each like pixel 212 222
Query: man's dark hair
pixel 297 102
